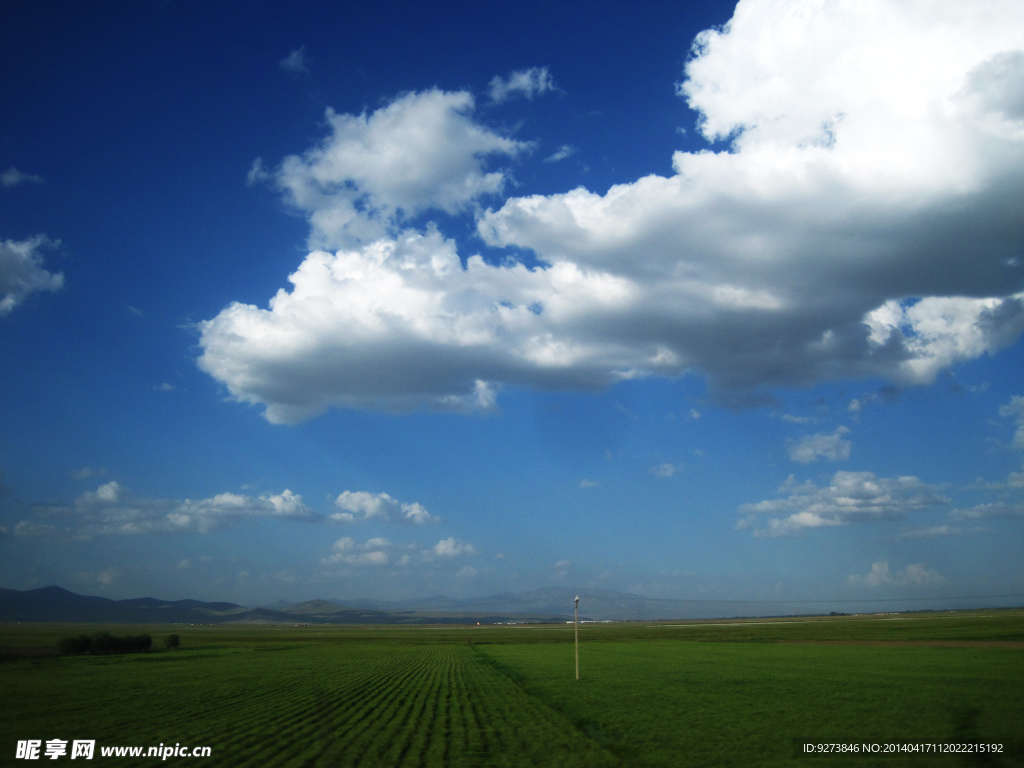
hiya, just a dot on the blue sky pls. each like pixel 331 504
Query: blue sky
pixel 393 300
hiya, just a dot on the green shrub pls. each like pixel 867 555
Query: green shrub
pixel 75 645
pixel 104 643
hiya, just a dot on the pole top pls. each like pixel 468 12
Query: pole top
pixel 577 598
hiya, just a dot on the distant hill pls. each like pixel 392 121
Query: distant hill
pixel 55 604
pixel 549 604
pixel 551 601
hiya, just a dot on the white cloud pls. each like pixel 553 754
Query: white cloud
pixel 452 547
pixel 560 570
pixel 12 177
pixel 84 473
pixel 400 324
pixel 585 483
pixel 360 506
pixel 258 173
pixel 347 552
pixel 31 530
pixel 423 151
pixel 523 82
pixel 863 221
pixel 561 153
pixel 998 509
pixel 828 445
pixel 879 575
pixel 860 173
pixel 111 510
pixel 296 62
pixel 105 578
pixel 381 552
pixel 666 469
pixel 792 419
pixel 851 497
pixel 937 531
pixel 1015 410
pixel 22 273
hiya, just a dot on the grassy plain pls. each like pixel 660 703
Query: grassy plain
pixel 685 694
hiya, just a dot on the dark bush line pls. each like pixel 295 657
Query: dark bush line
pixel 104 643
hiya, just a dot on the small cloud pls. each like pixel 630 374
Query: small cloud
pixel 257 174
pixel 561 570
pixel 851 497
pixel 916 575
pixel 1015 410
pixel 12 177
pixel 106 577
pixel 796 419
pixel 86 472
pixel 523 82
pixel 112 510
pixel 666 469
pixel 938 530
pixel 466 572
pixel 360 506
pixel 694 413
pixel 29 530
pixel 830 446
pixel 135 310
pixel 372 553
pixel 165 387
pixel 452 547
pixel 295 63
pixel 22 272
pixel 584 483
pixel 184 565
pixel 626 412
pixel 999 509
pixel 561 153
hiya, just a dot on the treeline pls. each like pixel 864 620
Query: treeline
pixel 105 643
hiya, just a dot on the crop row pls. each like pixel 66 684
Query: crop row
pixel 318 705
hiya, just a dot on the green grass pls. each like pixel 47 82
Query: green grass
pixel 673 702
pixel 321 704
pixel 700 694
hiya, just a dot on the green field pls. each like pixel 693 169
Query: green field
pixel 693 694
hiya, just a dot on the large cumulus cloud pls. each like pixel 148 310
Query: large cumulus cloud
pixel 860 217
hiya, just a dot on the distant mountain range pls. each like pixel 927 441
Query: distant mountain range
pixel 550 604
pixel 59 605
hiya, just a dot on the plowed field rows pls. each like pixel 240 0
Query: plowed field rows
pixel 317 705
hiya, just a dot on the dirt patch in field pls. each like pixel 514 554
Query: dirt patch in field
pixel 20 650
pixel 916 643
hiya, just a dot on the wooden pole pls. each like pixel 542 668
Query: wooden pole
pixel 576 628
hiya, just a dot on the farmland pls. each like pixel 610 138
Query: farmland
pixel 702 693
